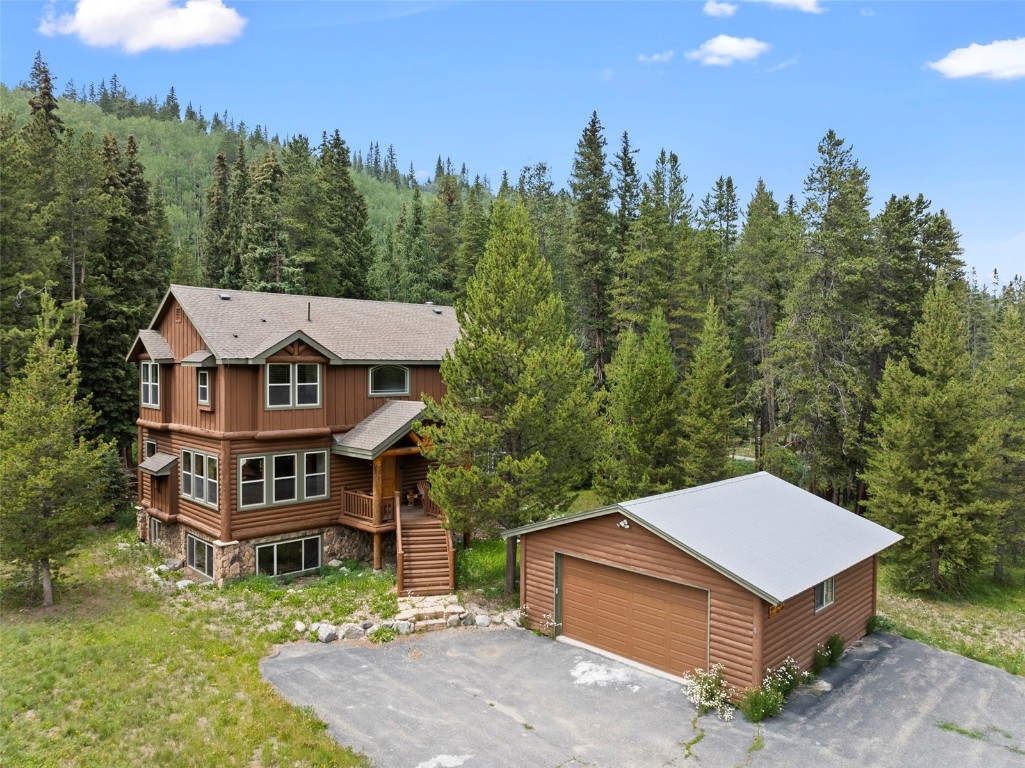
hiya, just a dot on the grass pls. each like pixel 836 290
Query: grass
pixel 481 569
pixel 122 674
pixel 985 623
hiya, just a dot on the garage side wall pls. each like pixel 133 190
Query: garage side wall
pixel 733 609
pixel 797 629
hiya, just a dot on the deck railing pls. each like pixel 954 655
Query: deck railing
pixel 361 505
pixel 430 508
pixel 400 555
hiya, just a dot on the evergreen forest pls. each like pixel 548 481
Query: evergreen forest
pixel 845 351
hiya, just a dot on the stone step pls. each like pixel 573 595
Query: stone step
pixel 430 625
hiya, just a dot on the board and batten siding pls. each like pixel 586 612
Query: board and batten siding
pixel 797 629
pixel 733 610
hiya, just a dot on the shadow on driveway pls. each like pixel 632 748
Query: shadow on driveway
pixel 500 698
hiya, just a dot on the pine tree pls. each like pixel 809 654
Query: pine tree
pixel 550 220
pixel 420 275
pixel 232 241
pixel 1005 371
pixel 709 410
pixel 350 242
pixel 53 481
pixel 170 110
pixel 592 265
pixel 264 244
pixel 473 237
pixel 512 436
pixel 932 454
pixel 640 453
pixel 720 215
pixel 628 193
pixel 444 219
pixel 43 100
pixel 216 249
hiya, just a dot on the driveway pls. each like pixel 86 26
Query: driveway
pixel 501 698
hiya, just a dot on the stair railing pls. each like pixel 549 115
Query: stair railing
pixel 400 556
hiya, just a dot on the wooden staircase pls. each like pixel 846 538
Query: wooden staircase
pixel 425 558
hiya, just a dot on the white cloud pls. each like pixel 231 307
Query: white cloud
pixel 807 6
pixel 999 60
pixel 723 50
pixel 713 8
pixel 656 58
pixel 138 25
pixel 867 12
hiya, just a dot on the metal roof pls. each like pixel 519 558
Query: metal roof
pixel 246 326
pixel 380 430
pixel 772 537
pixel 159 464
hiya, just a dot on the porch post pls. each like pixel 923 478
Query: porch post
pixel 377 551
pixel 378 490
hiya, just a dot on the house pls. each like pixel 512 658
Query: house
pixel 743 572
pixel 274 433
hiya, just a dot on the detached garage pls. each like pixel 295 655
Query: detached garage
pixel 743 573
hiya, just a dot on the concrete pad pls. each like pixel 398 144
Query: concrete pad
pixel 478 698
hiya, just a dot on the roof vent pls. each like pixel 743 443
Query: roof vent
pixel 436 310
pixel 224 296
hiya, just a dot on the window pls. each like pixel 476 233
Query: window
pixel 316 475
pixel 199 477
pixel 203 381
pixel 150 373
pixel 293 385
pixel 288 556
pixel 199 555
pixel 824 594
pixel 154 532
pixel 150 448
pixel 389 380
pixel 283 478
pixel 251 479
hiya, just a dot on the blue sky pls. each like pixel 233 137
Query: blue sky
pixel 931 95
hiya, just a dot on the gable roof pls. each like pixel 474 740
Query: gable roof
pixel 771 537
pixel 246 326
pixel 380 430
pixel 156 347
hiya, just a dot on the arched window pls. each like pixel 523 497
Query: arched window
pixel 389 380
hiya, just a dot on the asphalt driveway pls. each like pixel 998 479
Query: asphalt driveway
pixel 509 698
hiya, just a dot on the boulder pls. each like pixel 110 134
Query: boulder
pixel 483 620
pixel 336 563
pixel 184 584
pixel 352 632
pixel 162 569
pixel 174 563
pixel 453 620
pixel 366 625
pixel 326 633
pixel 299 627
pixel 403 627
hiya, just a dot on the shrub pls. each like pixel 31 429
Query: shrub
pixel 834 645
pixel 707 691
pixel 785 678
pixel 820 660
pixel 760 703
pixel 383 634
pixel 877 623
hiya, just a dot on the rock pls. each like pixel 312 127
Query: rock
pixel 483 620
pixel 366 625
pixel 162 569
pixel 454 609
pixel 326 633
pixel 512 624
pixel 403 627
pixel 174 563
pixel 336 563
pixel 468 620
pixel 372 629
pixel 352 632
pixel 299 627
pixel 184 584
pixel 453 620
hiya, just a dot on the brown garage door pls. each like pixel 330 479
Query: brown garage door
pixel 655 622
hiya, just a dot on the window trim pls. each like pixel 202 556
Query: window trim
pixel 825 594
pixel 294 477
pixel 190 555
pixel 202 460
pixel 269 498
pixel 154 531
pixel 149 384
pixel 371 392
pixel 273 545
pixel 203 382
pixel 146 446
pixel 293 387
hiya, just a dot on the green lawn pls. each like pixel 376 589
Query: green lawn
pixel 120 674
pixel 987 623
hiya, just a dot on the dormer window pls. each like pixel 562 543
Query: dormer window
pixel 389 380
pixel 150 375
pixel 293 385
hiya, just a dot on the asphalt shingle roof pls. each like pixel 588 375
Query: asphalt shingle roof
pixel 156 346
pixel 379 430
pixel 158 464
pixel 246 325
pixel 772 537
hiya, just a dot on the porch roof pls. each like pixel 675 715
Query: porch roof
pixel 378 431
pixel 159 464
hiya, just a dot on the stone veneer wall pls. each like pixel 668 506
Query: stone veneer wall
pixel 233 559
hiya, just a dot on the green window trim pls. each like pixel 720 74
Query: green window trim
pixel 271 480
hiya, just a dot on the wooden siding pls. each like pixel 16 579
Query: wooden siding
pixel 413 470
pixel 731 610
pixel 797 629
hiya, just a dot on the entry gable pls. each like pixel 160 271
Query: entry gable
pixel 379 431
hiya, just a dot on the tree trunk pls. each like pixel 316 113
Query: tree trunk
pixel 468 539
pixel 510 564
pixel 934 565
pixel 47 583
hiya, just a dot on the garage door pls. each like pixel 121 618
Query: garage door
pixel 655 622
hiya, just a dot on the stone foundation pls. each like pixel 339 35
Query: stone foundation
pixel 233 559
